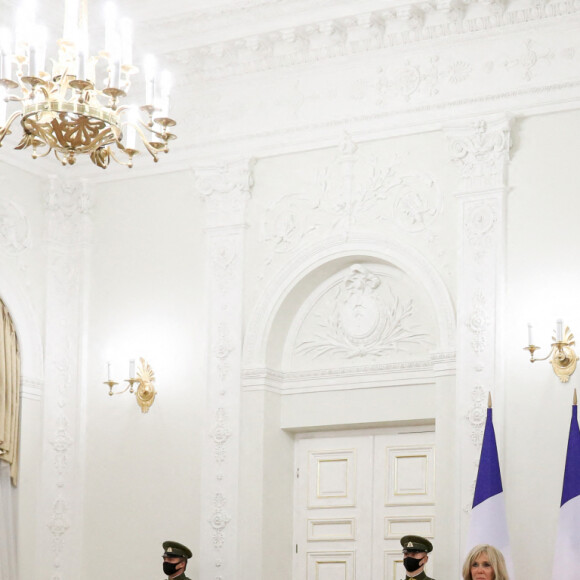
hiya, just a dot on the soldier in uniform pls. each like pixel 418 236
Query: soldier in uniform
pixel 175 557
pixel 415 550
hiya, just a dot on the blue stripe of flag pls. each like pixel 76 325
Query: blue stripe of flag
pixel 488 475
pixel 571 486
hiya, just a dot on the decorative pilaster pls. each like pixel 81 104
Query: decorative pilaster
pixel 482 152
pixel 226 190
pixel 68 231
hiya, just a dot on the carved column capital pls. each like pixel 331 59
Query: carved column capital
pixel 68 197
pixel 226 188
pixel 69 206
pixel 481 149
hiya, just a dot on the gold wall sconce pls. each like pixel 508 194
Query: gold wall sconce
pixel 564 357
pixel 142 384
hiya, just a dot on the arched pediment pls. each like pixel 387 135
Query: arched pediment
pixel 369 286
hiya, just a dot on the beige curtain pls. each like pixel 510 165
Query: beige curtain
pixel 9 393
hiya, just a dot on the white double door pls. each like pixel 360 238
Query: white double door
pixel 356 494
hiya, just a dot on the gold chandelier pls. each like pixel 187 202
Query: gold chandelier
pixel 77 108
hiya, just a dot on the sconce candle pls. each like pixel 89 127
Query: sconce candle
pixel 564 357
pixel 144 392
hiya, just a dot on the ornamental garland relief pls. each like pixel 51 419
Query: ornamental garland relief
pixel 361 317
pixel 480 225
pixel 477 414
pixel 219 521
pixel 59 525
pixel 349 196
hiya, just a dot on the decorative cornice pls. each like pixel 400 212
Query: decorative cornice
pixel 353 33
pixel 375 375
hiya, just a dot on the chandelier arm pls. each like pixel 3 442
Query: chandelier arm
pixel 151 150
pixel 151 128
pixel 6 129
pixel 45 154
pixel 63 162
pixel 120 161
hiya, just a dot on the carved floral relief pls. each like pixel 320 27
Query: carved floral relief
pixel 14 228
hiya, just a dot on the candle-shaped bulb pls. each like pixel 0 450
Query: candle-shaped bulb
pixel 24 28
pixel 71 20
pixel 82 54
pixel 166 82
pixel 126 41
pixel 3 106
pixel 110 27
pixel 5 53
pixel 559 330
pixel 37 54
pixel 108 371
pixel 132 368
pixel 149 67
pixel 131 132
pixel 530 338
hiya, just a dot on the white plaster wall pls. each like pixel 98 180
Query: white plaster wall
pixel 146 296
pixel 543 284
pixel 22 288
pixel 146 300
pixel 22 257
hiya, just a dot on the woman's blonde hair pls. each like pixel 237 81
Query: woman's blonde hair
pixel 495 558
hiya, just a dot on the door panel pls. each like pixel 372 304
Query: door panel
pixel 404 472
pixel 333 502
pixel 356 495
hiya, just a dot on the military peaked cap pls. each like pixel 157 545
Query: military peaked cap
pixel 416 544
pixel 176 550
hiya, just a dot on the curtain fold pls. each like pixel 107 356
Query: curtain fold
pixel 9 393
pixel 8 562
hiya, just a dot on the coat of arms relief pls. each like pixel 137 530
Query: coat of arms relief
pixel 366 313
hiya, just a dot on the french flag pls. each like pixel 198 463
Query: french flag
pixel 568 539
pixel 488 523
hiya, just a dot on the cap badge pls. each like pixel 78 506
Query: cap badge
pixel 410 545
pixel 170 550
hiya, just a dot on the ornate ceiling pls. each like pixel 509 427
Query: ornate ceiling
pixel 272 75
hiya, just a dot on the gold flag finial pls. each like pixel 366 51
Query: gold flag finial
pixel 575 400
pixel 489 399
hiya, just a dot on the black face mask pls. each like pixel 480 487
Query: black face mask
pixel 411 564
pixel 169 568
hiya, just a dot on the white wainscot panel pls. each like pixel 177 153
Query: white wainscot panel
pixel 393 565
pixel 411 476
pixel 331 529
pixel 330 566
pixel 331 479
pixel 397 527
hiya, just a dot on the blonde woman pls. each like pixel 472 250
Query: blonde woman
pixel 485 562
